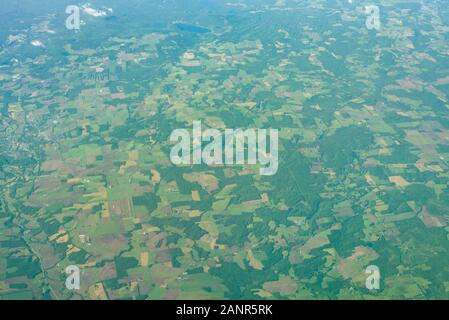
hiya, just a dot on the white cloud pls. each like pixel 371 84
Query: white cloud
pixel 37 43
pixel 94 12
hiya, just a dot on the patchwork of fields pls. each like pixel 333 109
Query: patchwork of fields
pixel 363 120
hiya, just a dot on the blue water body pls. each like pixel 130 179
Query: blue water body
pixel 191 28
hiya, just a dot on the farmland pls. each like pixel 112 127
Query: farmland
pixel 86 177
